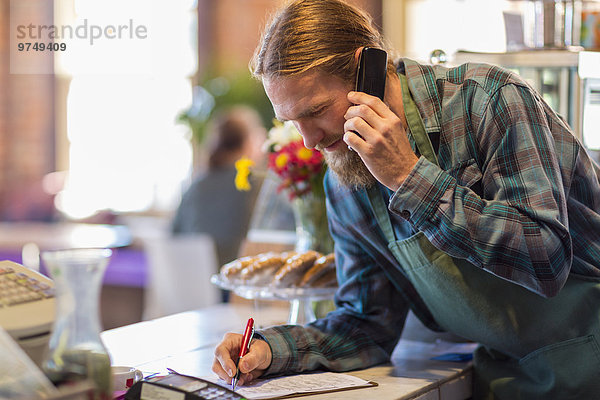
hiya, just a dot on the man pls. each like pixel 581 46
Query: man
pixel 461 196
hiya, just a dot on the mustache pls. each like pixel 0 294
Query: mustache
pixel 321 146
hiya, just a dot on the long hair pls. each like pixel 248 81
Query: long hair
pixel 314 34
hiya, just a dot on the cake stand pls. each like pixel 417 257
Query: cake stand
pixel 300 299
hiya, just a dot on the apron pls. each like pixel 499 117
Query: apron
pixel 531 347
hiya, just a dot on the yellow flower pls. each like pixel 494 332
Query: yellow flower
pixel 281 160
pixel 304 154
pixel 243 172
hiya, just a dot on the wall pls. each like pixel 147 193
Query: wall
pixel 4 65
pixel 26 132
pixel 450 25
pixel 230 29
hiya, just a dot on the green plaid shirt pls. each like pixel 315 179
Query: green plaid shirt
pixel 515 194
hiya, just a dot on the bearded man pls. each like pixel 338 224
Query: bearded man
pixel 461 196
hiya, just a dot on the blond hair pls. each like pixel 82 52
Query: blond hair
pixel 314 34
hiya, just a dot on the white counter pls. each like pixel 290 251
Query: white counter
pixel 185 342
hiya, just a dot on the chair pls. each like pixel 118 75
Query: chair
pixel 179 271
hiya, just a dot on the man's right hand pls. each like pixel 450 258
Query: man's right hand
pixel 251 366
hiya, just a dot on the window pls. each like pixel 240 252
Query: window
pixel 129 70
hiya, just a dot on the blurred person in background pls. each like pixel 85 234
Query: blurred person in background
pixel 212 204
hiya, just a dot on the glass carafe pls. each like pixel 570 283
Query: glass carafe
pixel 76 351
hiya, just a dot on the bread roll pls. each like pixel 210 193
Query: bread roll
pixel 260 272
pixel 294 268
pixel 233 269
pixel 322 266
pixel 286 255
pixel 328 279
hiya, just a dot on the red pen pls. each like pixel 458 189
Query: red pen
pixel 245 347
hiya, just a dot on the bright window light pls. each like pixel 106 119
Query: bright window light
pixel 127 153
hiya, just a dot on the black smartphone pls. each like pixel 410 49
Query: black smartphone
pixel 372 71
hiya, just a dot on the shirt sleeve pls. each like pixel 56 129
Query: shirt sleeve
pixel 517 228
pixel 362 331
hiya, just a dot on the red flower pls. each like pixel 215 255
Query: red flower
pixel 299 168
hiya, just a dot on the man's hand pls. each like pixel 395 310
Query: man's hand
pixel 384 146
pixel 251 366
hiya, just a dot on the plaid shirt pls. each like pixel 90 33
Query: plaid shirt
pixel 512 190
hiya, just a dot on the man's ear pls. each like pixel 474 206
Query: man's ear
pixel 357 54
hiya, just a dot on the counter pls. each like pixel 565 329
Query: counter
pixel 185 342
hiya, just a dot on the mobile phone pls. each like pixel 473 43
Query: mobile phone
pixel 372 71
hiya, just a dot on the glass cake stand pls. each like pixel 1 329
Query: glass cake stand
pixel 300 299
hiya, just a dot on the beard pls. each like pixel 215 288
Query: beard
pixel 349 169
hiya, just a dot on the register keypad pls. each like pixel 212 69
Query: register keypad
pixel 18 288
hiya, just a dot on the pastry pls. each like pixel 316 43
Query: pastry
pixel 260 272
pixel 286 255
pixel 322 266
pixel 294 268
pixel 328 279
pixel 234 268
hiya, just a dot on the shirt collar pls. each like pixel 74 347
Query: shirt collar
pixel 422 85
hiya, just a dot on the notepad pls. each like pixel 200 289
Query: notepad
pixel 300 385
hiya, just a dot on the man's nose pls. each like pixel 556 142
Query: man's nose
pixel 310 133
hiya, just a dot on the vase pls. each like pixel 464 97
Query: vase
pixel 76 351
pixel 312 230
pixel 312 233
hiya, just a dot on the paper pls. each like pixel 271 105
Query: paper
pixel 20 378
pixel 415 350
pixel 302 384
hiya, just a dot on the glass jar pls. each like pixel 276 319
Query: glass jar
pixel 553 23
pixel 76 351
pixel 590 25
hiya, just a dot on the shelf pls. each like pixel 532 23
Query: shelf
pixel 548 58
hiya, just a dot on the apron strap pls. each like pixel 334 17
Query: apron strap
pixel 423 143
pixel 381 213
pixel 415 123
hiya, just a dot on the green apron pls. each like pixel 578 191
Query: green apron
pixel 531 347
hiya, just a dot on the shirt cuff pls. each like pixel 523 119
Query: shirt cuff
pixel 281 353
pixel 418 196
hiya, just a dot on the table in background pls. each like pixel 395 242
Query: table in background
pixel 125 276
pixel 61 235
pixel 185 342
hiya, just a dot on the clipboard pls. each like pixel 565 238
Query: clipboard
pixel 185 387
pixel 285 387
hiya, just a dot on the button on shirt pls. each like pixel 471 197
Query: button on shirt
pixel 515 194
